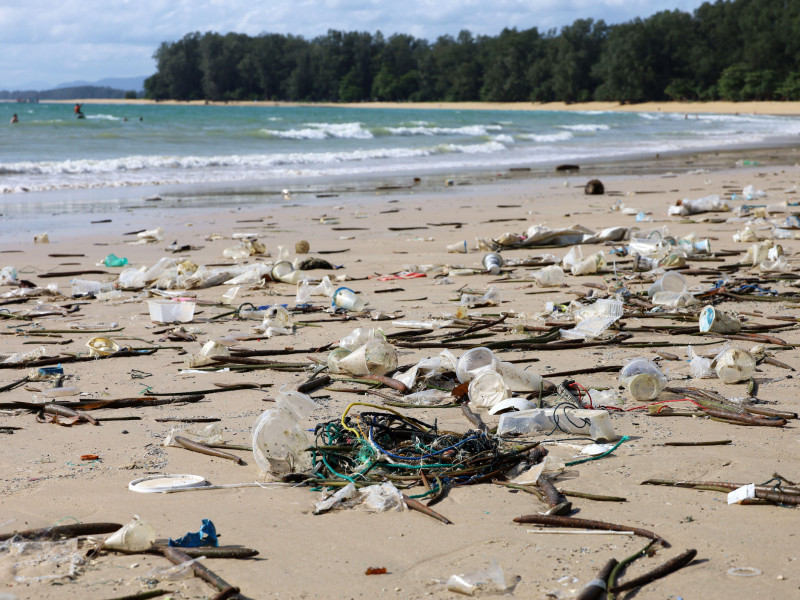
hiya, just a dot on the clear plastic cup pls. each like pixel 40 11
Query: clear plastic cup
pixel 643 379
pixel 347 299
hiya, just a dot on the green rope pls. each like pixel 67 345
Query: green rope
pixel 625 438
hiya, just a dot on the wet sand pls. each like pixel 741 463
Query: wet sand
pixel 303 555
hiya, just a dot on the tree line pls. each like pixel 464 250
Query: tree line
pixel 731 50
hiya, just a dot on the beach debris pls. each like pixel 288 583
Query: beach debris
pixel 488 579
pixel 136 536
pixel 574 522
pixel 206 536
pixel 178 557
pixel 594 187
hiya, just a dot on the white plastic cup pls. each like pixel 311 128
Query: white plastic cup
pixel 488 388
pixel 281 269
pixel 492 262
pixel 347 299
pixel 643 379
pixel 458 247
pixel 735 365
pixel 716 321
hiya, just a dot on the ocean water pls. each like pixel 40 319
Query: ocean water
pixel 123 146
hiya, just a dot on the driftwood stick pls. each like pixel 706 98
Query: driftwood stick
pixel 178 557
pixel 61 532
pixel 595 588
pixel 660 571
pixel 558 521
pixel 420 507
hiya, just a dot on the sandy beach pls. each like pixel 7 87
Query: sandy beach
pixel 687 108
pixel 369 236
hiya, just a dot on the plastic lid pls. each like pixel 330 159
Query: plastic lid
pixel 163 483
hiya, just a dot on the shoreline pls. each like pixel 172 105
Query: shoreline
pixel 788 108
pixel 68 210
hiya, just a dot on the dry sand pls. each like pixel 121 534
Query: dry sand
pixel 301 555
pixel 687 108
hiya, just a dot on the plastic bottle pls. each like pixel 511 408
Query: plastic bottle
pixel 594 423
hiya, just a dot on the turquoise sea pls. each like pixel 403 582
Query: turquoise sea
pixel 123 146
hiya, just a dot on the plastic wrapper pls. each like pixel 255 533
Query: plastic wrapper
pixel 210 434
pixel 594 319
pixel 375 498
pixel 699 367
pixel 8 276
pixel 492 297
pixel 36 562
pixel 23 357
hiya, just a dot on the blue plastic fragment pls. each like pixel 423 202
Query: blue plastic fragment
pixel 207 536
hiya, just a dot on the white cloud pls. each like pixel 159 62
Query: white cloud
pixel 44 40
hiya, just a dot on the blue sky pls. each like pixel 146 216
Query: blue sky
pixel 44 42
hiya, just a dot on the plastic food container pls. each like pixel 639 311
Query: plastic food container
pixel 171 312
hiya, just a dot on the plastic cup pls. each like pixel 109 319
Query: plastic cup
pixel 735 365
pixel 550 276
pixel 488 388
pixel 492 262
pixel 347 299
pixel 669 282
pixel 643 379
pixel 716 321
pixel 471 361
pixel 458 247
pixel 281 269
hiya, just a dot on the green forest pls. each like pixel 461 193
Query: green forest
pixel 730 50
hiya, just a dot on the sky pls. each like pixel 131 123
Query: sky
pixel 44 43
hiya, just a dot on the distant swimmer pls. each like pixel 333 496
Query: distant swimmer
pixel 15 118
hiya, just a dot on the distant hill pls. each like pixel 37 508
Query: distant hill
pixel 120 83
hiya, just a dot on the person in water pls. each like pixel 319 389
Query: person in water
pixel 15 118
pixel 77 110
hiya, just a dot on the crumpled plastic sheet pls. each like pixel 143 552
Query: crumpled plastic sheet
pixel 207 536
